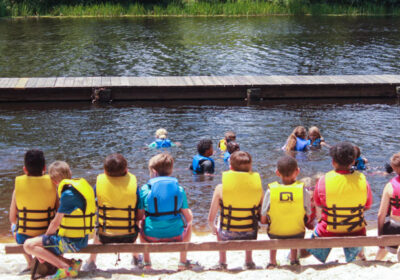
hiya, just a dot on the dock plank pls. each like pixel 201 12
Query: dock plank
pixel 78 81
pixel 21 83
pixel 124 81
pixel 105 81
pixel 115 81
pixel 96 82
pixel 31 82
pixel 69 82
pixel 196 81
pixel 12 82
pixel 87 82
pixel 59 82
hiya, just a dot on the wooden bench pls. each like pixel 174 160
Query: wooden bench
pixel 329 242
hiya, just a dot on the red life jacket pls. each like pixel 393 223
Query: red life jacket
pixel 395 199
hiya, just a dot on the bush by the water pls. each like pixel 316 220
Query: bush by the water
pixel 196 7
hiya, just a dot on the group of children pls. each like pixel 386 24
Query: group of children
pixel 54 214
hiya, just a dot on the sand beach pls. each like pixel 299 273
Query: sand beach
pixel 165 266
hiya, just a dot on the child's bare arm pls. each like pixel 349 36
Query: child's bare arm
pixel 187 213
pixel 217 196
pixel 383 208
pixel 13 210
pixel 55 223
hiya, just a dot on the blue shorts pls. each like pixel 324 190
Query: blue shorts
pixel 59 245
pixel 20 238
pixel 322 253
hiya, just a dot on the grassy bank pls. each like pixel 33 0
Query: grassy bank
pixel 195 8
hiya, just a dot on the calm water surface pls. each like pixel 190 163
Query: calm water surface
pixel 200 46
pixel 83 135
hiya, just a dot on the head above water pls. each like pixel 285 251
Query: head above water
pixel 287 166
pixel 58 171
pixel 161 165
pixel 314 133
pixel 232 147
pixel 34 163
pixel 357 151
pixel 343 155
pixel 115 165
pixel 240 161
pixel 205 147
pixel 300 132
pixel 230 136
pixel 161 133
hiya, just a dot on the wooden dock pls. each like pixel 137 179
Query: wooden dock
pixel 199 87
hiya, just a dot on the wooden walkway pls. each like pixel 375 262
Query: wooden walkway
pixel 200 87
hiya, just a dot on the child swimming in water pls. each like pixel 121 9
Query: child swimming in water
pixel 359 163
pixel 297 140
pixel 162 140
pixel 223 143
pixel 315 138
pixel 231 148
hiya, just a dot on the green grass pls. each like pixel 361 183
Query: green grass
pixel 197 8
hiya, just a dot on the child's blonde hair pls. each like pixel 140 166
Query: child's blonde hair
pixel 161 133
pixel 59 170
pixel 395 161
pixel 314 130
pixel 300 132
pixel 162 164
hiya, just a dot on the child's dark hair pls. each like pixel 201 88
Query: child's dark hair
pixel 240 161
pixel 115 165
pixel 286 165
pixel 395 161
pixel 34 162
pixel 343 153
pixel 230 136
pixel 203 146
pixel 232 147
pixel 358 151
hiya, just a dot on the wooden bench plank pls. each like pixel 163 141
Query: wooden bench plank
pixel 274 244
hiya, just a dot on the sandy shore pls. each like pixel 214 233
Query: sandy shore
pixel 165 266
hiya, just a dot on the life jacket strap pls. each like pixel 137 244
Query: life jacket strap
pixel 175 212
pixel 254 217
pixel 50 215
pixel 395 202
pixel 347 221
pixel 84 227
pixel 105 217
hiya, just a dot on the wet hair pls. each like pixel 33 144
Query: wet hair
pixel 300 132
pixel 286 165
pixel 388 168
pixel 395 161
pixel 59 170
pixel 115 165
pixel 343 154
pixel 203 146
pixel 240 161
pixel 162 164
pixel 34 162
pixel 161 133
pixel 232 147
pixel 313 130
pixel 358 151
pixel 230 136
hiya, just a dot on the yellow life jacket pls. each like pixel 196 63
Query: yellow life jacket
pixel 222 145
pixel 286 212
pixel 346 196
pixel 36 199
pixel 240 204
pixel 116 200
pixel 79 223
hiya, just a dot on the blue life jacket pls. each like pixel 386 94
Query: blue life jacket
pixel 163 143
pixel 197 160
pixel 359 164
pixel 301 144
pixel 316 143
pixel 164 199
pixel 227 155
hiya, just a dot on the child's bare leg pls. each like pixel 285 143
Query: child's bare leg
pixel 146 256
pixel 34 246
pixel 381 254
pixel 272 257
pixel 249 256
pixel 93 257
pixel 222 254
pixel 293 255
pixel 29 260
pixel 186 239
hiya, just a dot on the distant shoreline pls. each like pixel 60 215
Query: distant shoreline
pixel 192 9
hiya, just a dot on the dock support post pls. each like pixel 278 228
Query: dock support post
pixel 253 94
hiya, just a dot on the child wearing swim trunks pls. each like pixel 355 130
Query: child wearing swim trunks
pixel 117 199
pixel 344 195
pixel 68 232
pixel 33 192
pixel 297 140
pixel 286 207
pixel 390 203
pixel 167 214
pixel 162 140
pixel 359 163
pixel 202 163
pixel 315 138
pixel 223 143
pixel 238 199
pixel 231 148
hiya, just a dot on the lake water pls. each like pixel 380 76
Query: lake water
pixel 83 135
